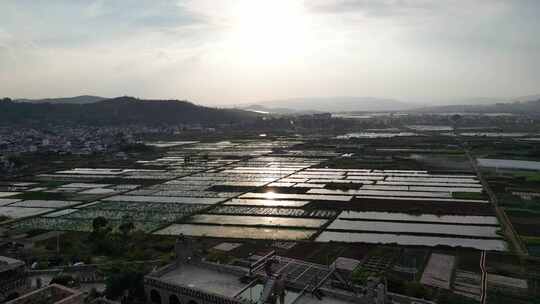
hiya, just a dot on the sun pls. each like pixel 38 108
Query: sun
pixel 272 31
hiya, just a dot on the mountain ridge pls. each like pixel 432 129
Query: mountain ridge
pixel 81 99
pixel 310 105
pixel 515 107
pixel 306 105
pixel 120 111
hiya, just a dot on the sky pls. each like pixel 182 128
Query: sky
pixel 223 52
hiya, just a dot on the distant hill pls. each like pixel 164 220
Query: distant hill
pixel 119 111
pixel 516 107
pixel 488 100
pixel 337 104
pixel 68 100
pixel 527 98
pixel 279 111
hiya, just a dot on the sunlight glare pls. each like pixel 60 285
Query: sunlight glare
pixel 275 30
pixel 269 195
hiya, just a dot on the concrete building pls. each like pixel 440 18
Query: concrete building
pixel 267 279
pixel 13 279
pixel 52 294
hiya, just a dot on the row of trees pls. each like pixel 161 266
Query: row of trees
pixel 105 242
pixel 123 281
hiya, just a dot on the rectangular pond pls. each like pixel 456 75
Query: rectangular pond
pixel 431 218
pixel 18 212
pixel 412 240
pixel 371 135
pixel 508 164
pixel 267 233
pixel 45 204
pixel 257 220
pixel 382 193
pixel 9 194
pixel 431 179
pixel 415 228
pixel 266 202
pixel 430 184
pixel 287 196
pixel 434 200
pixel 163 199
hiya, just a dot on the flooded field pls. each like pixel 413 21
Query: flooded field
pixel 237 232
pixel 508 164
pixel 313 197
pixel 249 220
pixel 17 212
pixel 376 135
pixel 428 218
pixel 412 240
pixel 430 128
pixel 266 202
pixel 261 190
pixel 383 193
pixel 494 134
pixel 414 228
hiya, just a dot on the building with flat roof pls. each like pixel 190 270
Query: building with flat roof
pixel 13 279
pixel 52 294
pixel 268 279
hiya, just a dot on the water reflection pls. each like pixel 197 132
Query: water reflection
pixel 242 232
pixel 412 240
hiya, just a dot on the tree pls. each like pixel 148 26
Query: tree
pixel 121 278
pixel 98 223
pixel 456 119
pixel 16 161
pixel 101 238
pixel 126 228
pixel 11 296
pixel 92 295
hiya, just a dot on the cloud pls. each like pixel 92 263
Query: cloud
pixel 239 50
pixel 383 8
pixel 479 24
pixel 68 23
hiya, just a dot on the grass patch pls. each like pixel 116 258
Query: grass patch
pixel 521 212
pixel 103 250
pixel 530 176
pixel 513 202
pixel 468 195
pixel 530 240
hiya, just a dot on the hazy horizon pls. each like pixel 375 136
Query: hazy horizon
pixel 236 52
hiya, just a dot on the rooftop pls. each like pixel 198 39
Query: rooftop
pixel 301 279
pixel 51 294
pixel 204 279
pixel 7 263
pixel 309 299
